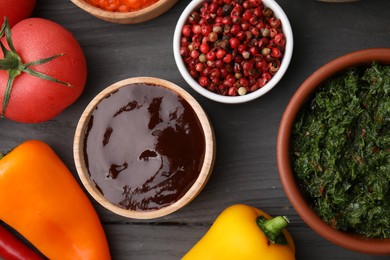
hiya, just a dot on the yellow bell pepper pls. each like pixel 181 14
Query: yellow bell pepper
pixel 238 233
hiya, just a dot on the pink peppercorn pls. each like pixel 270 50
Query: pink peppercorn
pixel 204 81
pixel 186 31
pixel 232 47
pixel 232 91
pixel 210 55
pixel 204 48
pixel 206 29
pixel 220 53
pixel 234 43
pixel 276 53
pixel 228 58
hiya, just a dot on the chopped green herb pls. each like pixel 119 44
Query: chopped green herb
pixel 340 151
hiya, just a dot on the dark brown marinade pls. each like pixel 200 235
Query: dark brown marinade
pixel 144 147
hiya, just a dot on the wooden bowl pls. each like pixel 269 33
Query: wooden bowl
pixel 290 185
pixel 139 16
pixel 85 176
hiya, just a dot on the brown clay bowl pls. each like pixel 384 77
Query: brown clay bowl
pixel 291 188
pixel 80 159
pixel 139 16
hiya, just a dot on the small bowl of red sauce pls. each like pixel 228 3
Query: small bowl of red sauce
pixel 144 148
pixel 125 11
pixel 233 51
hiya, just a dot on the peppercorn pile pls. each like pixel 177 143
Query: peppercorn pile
pixel 232 47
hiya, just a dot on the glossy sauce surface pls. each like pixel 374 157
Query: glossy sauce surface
pixel 144 147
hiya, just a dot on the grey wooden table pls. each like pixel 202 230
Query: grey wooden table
pixel 245 169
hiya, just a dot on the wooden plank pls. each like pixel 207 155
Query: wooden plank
pixel 166 241
pixel 245 169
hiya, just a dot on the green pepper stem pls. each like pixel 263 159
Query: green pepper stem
pixel 276 225
pixel 2 155
pixel 272 228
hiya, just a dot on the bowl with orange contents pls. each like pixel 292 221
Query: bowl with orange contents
pixel 125 11
pixel 144 148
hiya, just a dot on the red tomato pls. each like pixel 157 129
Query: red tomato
pixel 15 10
pixel 34 99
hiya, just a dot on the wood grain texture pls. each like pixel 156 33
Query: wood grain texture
pixel 245 168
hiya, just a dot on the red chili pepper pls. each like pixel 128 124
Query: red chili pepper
pixel 12 248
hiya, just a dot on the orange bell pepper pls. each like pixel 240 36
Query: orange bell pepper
pixel 40 198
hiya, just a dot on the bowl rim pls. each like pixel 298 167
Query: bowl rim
pixel 137 16
pixel 208 161
pixel 297 199
pixel 287 30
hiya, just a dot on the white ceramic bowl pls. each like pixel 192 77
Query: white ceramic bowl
pixel 286 27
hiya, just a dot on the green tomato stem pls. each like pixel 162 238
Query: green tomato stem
pixel 11 77
pixel 8 64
